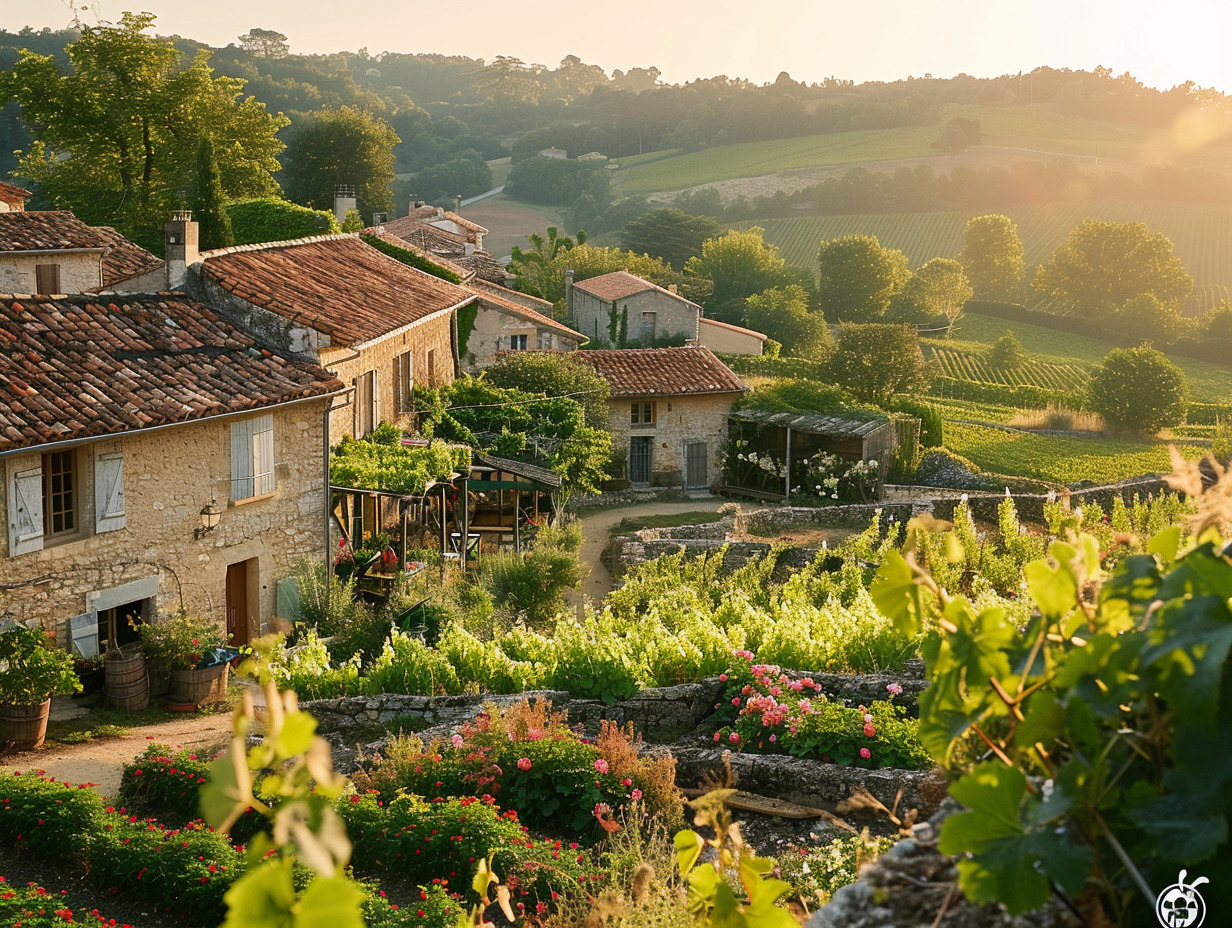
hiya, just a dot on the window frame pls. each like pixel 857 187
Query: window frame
pixel 252 458
pixel 40 272
pixel 74 496
pixel 644 413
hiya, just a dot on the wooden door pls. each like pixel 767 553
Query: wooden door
pixel 695 464
pixel 237 603
pixel 639 459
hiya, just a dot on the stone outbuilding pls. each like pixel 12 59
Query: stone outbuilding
pixel 52 251
pixel 725 338
pixel 506 320
pixel 13 198
pixel 378 324
pixel 669 412
pixel 154 459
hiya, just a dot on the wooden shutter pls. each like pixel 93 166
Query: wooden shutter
pixel 108 491
pixel 26 509
pixel 241 459
pixel 374 396
pixel 83 634
pixel 263 454
pixel 47 278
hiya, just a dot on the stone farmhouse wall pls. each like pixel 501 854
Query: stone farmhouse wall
pixel 679 420
pixel 493 329
pixel 79 272
pixel 673 316
pixel 169 475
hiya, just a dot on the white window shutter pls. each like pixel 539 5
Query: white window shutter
pixel 263 454
pixel 109 491
pixel 241 459
pixel 26 509
pixel 374 390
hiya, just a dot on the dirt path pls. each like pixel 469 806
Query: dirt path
pixel 597 528
pixel 101 760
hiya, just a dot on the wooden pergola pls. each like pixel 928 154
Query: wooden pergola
pixel 512 496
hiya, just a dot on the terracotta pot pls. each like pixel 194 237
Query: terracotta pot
pixel 25 726
pixel 199 686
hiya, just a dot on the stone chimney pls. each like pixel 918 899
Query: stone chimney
pixel 457 203
pixel 344 201
pixel 180 248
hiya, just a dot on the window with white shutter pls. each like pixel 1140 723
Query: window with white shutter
pixel 404 381
pixel 367 414
pixel 252 457
pixel 108 491
pixel 25 505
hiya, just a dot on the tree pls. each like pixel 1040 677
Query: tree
pixel 1007 353
pixel 1102 265
pixel 877 360
pixel 1144 319
pixel 265 43
pixel 670 234
pixel 1138 390
pixel 739 263
pixel 547 280
pixel 859 277
pixel 556 375
pixel 213 222
pixel 116 136
pixel 783 314
pixel 534 266
pixel 992 258
pixel 945 289
pixel 341 146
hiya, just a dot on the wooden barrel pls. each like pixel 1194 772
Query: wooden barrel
pixel 126 683
pixel 199 686
pixel 24 726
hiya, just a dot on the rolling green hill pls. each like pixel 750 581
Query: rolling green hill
pixel 1202 235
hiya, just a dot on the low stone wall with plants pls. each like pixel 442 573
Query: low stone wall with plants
pixel 659 714
pixel 1030 506
pixel 857 517
pixel 815 784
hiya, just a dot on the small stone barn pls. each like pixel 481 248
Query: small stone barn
pixel 793 436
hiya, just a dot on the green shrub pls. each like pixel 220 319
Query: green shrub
pixel 591 665
pixel 932 428
pixel 326 602
pixel 273 220
pixel 1221 444
pixel 1138 390
pixel 1007 353
pixel 407 665
pixel 412 259
pixel 532 586
pixel 47 818
pixel 32 906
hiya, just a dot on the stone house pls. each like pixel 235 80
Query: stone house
pixel 506 320
pixel 127 426
pixel 669 412
pixel 378 324
pixel 648 312
pixel 444 234
pixel 52 251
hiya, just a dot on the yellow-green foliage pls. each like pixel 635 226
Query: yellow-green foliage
pixel 376 465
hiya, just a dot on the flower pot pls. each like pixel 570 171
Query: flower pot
pixel 25 726
pixel 182 707
pixel 91 682
pixel 126 683
pixel 199 686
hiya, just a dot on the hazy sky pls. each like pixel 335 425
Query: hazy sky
pixel 1162 42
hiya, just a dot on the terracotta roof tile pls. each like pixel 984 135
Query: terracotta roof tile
pixel 484 266
pixel 124 259
pixel 662 371
pixel 620 284
pixel 422 252
pixel 46 230
pixel 335 284
pixel 428 237
pixel 491 293
pixel 14 195
pixel 84 366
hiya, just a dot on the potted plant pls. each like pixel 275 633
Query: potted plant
pixel 32 670
pixel 91 672
pixel 177 647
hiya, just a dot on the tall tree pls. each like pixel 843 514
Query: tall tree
pixel 341 146
pixel 208 206
pixel 116 136
pixel 265 43
pixel 739 263
pixel 877 360
pixel 670 234
pixel 1138 390
pixel 944 289
pixel 859 277
pixel 992 257
pixel 783 314
pixel 1102 265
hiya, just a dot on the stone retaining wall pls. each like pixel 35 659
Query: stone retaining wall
pixel 815 784
pixel 857 516
pixel 1030 506
pixel 660 714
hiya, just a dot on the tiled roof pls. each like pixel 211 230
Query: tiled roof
pixel 731 328
pixel 662 371
pixel 850 424
pixel 483 265
pixel 491 293
pixel 428 237
pixel 46 230
pixel 465 223
pixel 423 253
pixel 84 366
pixel 620 284
pixel 14 195
pixel 124 259
pixel 335 284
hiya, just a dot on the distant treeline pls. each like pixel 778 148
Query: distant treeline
pixel 453 111
pixel 921 190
